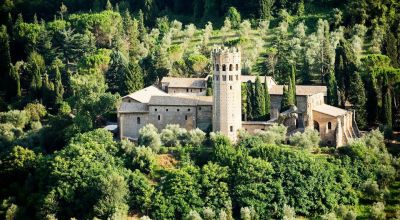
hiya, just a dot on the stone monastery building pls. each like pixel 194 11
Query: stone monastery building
pixel 183 101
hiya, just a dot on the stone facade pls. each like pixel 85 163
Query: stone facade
pixel 182 101
pixel 227 111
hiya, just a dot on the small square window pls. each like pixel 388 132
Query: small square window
pixel 178 110
pixel 199 108
pixel 188 109
pixel 166 109
pixel 187 90
pixel 155 109
pixel 201 90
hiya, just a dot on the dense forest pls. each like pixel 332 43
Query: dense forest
pixel 65 64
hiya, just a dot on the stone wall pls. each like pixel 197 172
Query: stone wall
pixel 184 116
pixel 327 133
pixel 187 91
pixel 204 118
pixel 131 123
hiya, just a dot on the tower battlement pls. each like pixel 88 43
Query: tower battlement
pixel 226 60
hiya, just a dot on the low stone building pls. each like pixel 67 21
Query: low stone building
pixel 182 101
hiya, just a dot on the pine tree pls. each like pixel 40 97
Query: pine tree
pixel 267 100
pixel 387 103
pixel 332 96
pixel 116 72
pixel 250 98
pixel 132 79
pixel 358 99
pixel 259 100
pixel 5 62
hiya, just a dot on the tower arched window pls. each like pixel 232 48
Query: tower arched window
pixel 223 67
pixel 217 67
pixel 237 67
pixel 230 67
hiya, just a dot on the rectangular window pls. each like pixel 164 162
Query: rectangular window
pixel 230 78
pixel 186 117
pixel 231 128
pixel 199 108
pixel 231 87
pixel 223 78
pixel 201 90
pixel 138 120
pixel 159 117
pixel 216 78
pixel 187 90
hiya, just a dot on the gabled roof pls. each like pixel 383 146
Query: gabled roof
pixel 300 90
pixel 181 100
pixel 173 82
pixel 144 95
pixel 246 78
pixel 330 110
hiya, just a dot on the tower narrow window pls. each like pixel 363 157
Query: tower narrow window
pixel 217 67
pixel 329 125
pixel 231 128
pixel 186 117
pixel 230 78
pixel 138 120
pixel 223 78
pixel 187 90
pixel 230 67
pixel 231 87
pixel 223 67
pixel 159 117
pixel 237 67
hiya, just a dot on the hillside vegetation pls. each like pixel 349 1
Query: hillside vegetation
pixel 65 64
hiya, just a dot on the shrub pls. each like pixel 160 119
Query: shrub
pixel 288 213
pixel 173 135
pixel 276 134
pixel 35 111
pixel 378 211
pixel 193 215
pixel 16 118
pixel 195 138
pixel 149 137
pixel 307 140
pixel 208 213
pixel 371 190
pixel 143 159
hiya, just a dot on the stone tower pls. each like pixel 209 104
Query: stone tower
pixel 227 106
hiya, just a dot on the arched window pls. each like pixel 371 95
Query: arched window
pixel 217 67
pixel 138 120
pixel 237 67
pixel 316 126
pixel 329 125
pixel 223 67
pixel 230 67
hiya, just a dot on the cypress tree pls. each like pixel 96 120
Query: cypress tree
pixel 48 94
pixel 5 62
pixel 244 101
pixel 36 68
pixel 58 86
pixel 387 102
pixel 291 97
pixel 267 100
pixel 358 99
pixel 250 98
pixel 372 99
pixel 209 91
pixel 293 83
pixel 16 82
pixel 285 100
pixel 332 95
pixel 259 101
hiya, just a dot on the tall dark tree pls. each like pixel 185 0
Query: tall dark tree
pixel 332 93
pixel 118 69
pixel 58 86
pixel 345 66
pixel 259 100
pixel 387 102
pixel 293 82
pixel 209 91
pixel 5 63
pixel 48 94
pixel 287 99
pixel 15 83
pixel 265 8
pixel 132 80
pixel 391 48
pixel 250 100
pixel 371 88
pixel 36 70
pixel 267 100
pixel 358 99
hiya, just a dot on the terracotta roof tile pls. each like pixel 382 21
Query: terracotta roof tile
pixel 300 90
pixel 145 94
pixel 181 100
pixel 330 110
